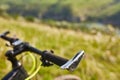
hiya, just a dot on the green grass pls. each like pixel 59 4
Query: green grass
pixel 101 61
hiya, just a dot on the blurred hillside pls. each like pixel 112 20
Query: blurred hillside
pixel 101 61
pixel 103 11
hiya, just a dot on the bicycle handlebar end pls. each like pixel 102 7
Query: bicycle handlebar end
pixel 5 33
pixel 73 63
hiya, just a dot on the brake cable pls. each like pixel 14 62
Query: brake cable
pixel 34 63
pixel 33 72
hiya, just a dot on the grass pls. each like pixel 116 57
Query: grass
pixel 101 61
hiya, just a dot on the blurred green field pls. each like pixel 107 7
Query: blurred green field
pixel 102 51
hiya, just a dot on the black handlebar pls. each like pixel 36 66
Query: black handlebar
pixel 47 56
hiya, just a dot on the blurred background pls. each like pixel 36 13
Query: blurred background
pixel 66 26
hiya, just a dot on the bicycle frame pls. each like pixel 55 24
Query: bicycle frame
pixel 18 72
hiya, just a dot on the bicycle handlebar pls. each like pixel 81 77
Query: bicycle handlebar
pixel 20 47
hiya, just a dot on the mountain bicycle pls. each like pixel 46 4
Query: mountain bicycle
pixel 47 58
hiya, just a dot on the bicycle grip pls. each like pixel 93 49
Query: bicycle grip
pixel 53 58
